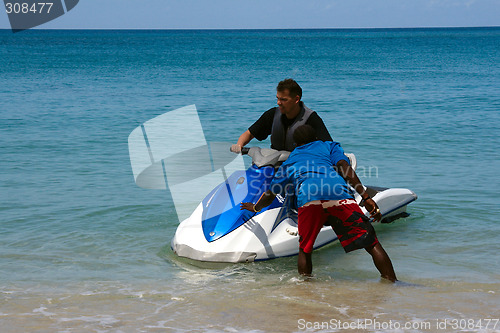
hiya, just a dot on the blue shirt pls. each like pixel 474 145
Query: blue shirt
pixel 309 173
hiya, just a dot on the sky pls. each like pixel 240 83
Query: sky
pixel 273 14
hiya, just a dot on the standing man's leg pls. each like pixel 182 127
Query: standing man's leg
pixel 304 263
pixel 382 262
pixel 356 232
pixel 311 218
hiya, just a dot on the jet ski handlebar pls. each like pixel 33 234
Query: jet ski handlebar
pixel 265 156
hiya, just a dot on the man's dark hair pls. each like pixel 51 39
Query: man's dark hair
pixel 304 134
pixel 292 86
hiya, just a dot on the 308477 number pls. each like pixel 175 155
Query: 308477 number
pixel 25 8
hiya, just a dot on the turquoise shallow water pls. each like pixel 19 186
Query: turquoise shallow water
pixel 82 248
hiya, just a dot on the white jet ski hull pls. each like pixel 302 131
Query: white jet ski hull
pixel 257 240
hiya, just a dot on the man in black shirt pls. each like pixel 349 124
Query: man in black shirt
pixel 280 122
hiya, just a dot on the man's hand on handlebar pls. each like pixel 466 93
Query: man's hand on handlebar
pixel 236 148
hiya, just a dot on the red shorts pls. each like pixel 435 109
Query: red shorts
pixel 352 227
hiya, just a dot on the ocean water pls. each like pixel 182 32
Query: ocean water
pixel 84 249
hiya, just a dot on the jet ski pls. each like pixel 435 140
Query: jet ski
pixel 219 231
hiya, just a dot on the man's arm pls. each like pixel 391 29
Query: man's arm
pixel 351 177
pixel 244 138
pixel 259 130
pixel 265 200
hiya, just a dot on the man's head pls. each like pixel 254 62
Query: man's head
pixel 288 95
pixel 293 88
pixel 304 134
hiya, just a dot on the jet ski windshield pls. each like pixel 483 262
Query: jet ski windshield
pixel 221 208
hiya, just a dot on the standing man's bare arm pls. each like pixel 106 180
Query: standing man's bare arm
pixel 243 140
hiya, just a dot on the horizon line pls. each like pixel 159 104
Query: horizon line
pixel 261 29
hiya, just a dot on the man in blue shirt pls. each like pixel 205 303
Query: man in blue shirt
pixel 318 173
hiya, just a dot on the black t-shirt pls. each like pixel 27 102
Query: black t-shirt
pixel 262 128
